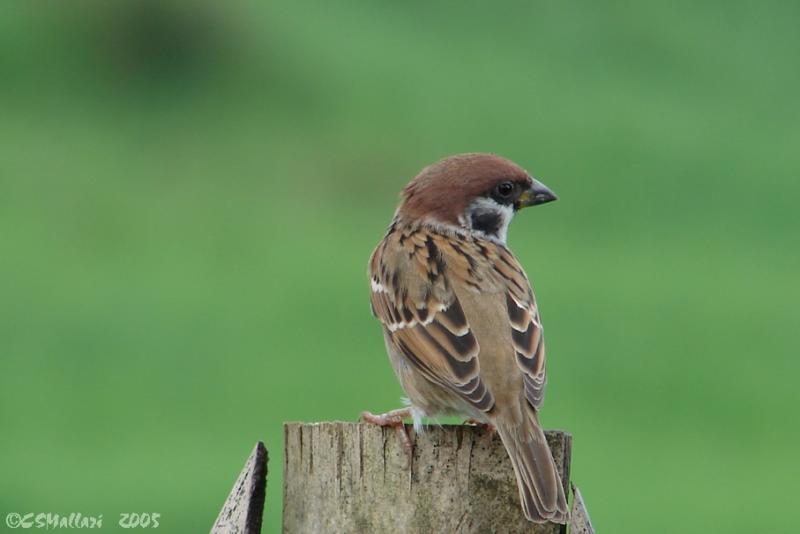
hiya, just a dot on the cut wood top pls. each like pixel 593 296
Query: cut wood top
pixel 352 477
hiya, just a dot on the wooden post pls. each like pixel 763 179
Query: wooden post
pixel 242 511
pixel 352 477
pixel 579 522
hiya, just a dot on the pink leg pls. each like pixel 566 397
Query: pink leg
pixel 488 426
pixel 394 419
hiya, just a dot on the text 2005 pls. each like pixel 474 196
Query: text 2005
pixel 135 520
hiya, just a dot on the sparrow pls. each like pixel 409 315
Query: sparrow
pixel 459 317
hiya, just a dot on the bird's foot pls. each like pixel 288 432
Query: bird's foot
pixel 488 426
pixel 394 418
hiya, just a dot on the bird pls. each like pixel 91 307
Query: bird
pixel 459 318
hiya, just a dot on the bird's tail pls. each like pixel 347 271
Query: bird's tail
pixel 540 488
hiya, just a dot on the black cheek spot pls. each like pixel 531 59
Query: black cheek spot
pixel 487 222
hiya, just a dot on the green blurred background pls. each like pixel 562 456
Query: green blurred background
pixel 189 194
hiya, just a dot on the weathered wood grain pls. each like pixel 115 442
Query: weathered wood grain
pixel 242 511
pixel 352 477
pixel 579 522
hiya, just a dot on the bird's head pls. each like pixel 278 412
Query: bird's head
pixel 475 192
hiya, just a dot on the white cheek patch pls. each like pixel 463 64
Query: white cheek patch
pixel 485 215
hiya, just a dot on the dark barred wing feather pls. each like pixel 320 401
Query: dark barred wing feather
pixel 422 315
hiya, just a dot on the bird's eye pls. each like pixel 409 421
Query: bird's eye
pixel 505 189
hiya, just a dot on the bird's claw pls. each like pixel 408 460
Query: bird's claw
pixel 488 426
pixel 394 419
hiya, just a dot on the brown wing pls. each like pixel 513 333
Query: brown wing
pixel 484 264
pixel 526 325
pixel 422 315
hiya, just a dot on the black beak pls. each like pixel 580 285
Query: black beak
pixel 538 193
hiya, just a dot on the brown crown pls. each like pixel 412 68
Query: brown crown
pixel 445 189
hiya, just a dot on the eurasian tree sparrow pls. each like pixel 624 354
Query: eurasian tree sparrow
pixel 459 317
